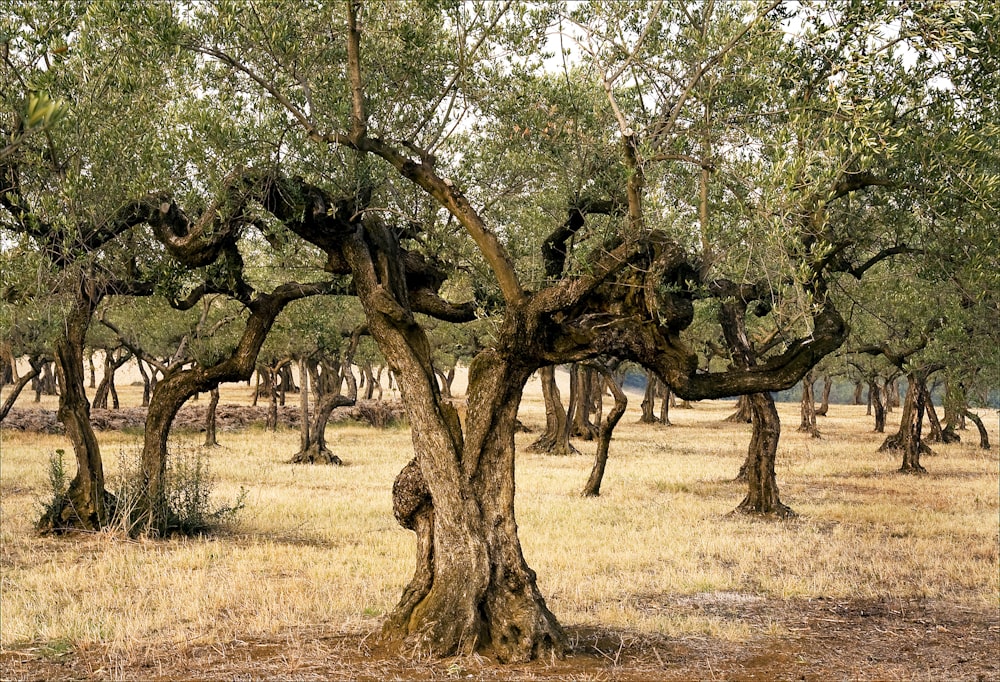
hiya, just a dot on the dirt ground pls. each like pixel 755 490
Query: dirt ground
pixel 816 639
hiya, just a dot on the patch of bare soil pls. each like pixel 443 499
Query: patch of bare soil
pixel 192 417
pixel 818 639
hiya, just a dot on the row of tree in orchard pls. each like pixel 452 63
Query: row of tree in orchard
pixel 724 194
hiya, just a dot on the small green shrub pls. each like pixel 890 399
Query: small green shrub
pixel 189 509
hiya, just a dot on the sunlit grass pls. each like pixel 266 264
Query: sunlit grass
pixel 319 545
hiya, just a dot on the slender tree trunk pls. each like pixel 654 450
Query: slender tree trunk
pixel 555 439
pixel 145 382
pixel 93 370
pixel 984 436
pixel 86 504
pixel 210 421
pixel 304 439
pixel 874 394
pixel 36 368
pixel 271 423
pixel 859 388
pixel 593 486
pixel 936 434
pixel 824 406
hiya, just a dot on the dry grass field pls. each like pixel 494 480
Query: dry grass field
pixel 881 576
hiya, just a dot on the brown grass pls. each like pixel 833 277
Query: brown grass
pixel 654 575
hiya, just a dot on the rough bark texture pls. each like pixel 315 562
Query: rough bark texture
pixel 762 496
pixel 314 449
pixel 582 401
pixel 808 408
pixel 908 439
pixel 86 502
pixel 593 485
pixel 555 439
pixel 648 404
pixel 875 395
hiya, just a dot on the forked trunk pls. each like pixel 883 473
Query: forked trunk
pixel 762 496
pixel 86 502
pixel 555 439
pixel 314 450
pixel 472 590
pixel 908 439
pixel 593 486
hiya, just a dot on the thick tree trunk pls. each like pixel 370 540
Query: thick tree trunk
pixel 908 438
pixel 743 413
pixel 86 502
pixel 593 486
pixel 824 406
pixel 874 395
pixel 583 403
pixel 555 439
pixel 648 404
pixel 665 405
pixel 762 496
pixel 210 421
pixel 446 380
pixel 808 407
pixel 984 436
pixel 314 450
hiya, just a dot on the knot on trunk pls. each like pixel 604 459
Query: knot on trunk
pixel 410 495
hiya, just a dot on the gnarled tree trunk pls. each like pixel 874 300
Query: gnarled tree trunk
pixel 762 495
pixel 582 400
pixel 808 407
pixel 648 404
pixel 86 501
pixel 908 438
pixel 984 436
pixel 36 367
pixel 555 439
pixel 874 395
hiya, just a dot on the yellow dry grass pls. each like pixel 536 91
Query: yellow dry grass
pixel 318 546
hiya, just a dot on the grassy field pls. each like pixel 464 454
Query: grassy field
pixel 653 578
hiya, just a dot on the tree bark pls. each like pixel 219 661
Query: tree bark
pixel 649 399
pixel 593 486
pixel 859 388
pixel 583 404
pixel 808 407
pixel 210 421
pixel 984 436
pixel 762 495
pixel 86 502
pixel 36 368
pixel 555 439
pixel 145 381
pixel 743 413
pixel 874 395
pixel 908 439
pixel 824 406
